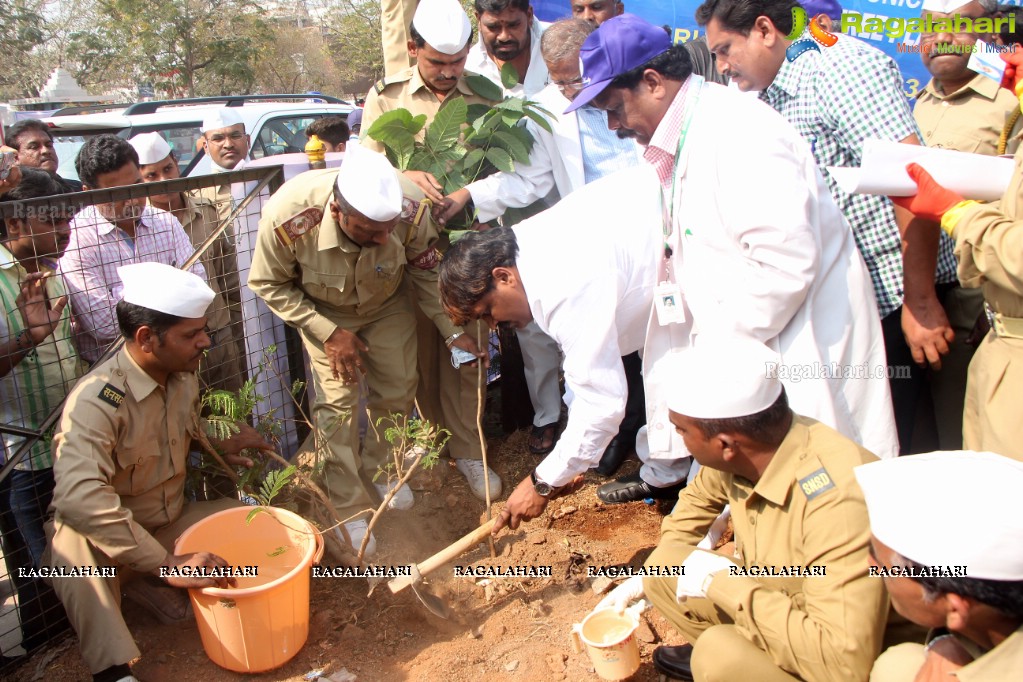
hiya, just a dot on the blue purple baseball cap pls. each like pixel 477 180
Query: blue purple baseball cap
pixel 618 45
pixel 829 8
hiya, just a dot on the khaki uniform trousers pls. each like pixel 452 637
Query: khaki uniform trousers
pixel 991 419
pixel 899 663
pixel 395 18
pixel 721 653
pixel 389 332
pixel 93 604
pixel 447 397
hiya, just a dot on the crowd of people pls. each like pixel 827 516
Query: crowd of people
pixel 774 349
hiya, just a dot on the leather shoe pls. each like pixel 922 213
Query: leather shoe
pixel 617 450
pixel 674 661
pixel 632 488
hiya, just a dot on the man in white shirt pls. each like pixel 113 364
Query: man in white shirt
pixel 579 148
pixel 509 34
pixel 586 282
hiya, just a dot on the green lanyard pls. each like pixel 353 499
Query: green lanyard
pixel 668 212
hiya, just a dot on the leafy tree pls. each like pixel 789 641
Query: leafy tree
pixel 187 46
pixel 23 31
pixel 353 36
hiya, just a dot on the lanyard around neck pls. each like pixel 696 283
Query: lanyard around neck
pixel 668 212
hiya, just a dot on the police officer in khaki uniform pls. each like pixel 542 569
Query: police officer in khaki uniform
pixel 120 458
pixel 335 255
pixel 222 368
pixel 441 33
pixel 966 111
pixel 947 566
pixel 440 36
pixel 989 247
pixel 799 521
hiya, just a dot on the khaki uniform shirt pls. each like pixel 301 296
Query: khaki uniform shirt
pixel 306 268
pixel 407 90
pixel 971 119
pixel 1004 663
pixel 120 455
pixel 218 195
pixel 989 246
pixel 806 510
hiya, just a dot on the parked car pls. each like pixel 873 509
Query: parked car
pixel 276 124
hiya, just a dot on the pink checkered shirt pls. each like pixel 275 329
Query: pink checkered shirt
pixel 660 153
pixel 97 248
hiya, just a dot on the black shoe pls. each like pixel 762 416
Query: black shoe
pixel 617 450
pixel 632 489
pixel 674 661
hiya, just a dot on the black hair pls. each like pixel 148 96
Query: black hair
pixel 346 208
pixel 332 129
pixel 35 183
pixel 103 154
pixel 18 129
pixel 1004 595
pixel 131 316
pixel 739 16
pixel 769 426
pixel 466 271
pixel 498 6
pixel 1010 37
pixel 674 64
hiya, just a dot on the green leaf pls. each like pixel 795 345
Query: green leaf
pixel 539 120
pixel 511 104
pixel 509 76
pixel 254 513
pixel 519 152
pixel 501 159
pixel 472 161
pixel 484 87
pixel 476 111
pixel 446 127
pixel 397 131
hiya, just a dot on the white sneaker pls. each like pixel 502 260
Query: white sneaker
pixel 357 531
pixel 402 500
pixel 472 469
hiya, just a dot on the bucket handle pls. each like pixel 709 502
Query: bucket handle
pixel 320 546
pixel 577 644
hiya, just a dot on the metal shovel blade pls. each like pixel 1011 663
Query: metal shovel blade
pixel 432 602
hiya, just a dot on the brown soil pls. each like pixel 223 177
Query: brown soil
pixel 500 629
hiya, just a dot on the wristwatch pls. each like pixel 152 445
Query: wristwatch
pixel 544 490
pixel 451 339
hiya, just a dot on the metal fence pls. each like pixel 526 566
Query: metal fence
pixel 218 229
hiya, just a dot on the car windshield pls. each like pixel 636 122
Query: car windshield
pixel 182 138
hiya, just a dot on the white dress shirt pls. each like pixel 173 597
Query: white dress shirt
pixel 479 61
pixel 588 266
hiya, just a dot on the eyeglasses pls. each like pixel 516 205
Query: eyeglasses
pixel 219 139
pixel 574 85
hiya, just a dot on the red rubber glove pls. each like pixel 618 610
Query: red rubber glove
pixel 1013 70
pixel 931 200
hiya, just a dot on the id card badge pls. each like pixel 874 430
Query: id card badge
pixel 987 62
pixel 668 302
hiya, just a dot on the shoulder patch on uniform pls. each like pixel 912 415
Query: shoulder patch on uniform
pixel 111 395
pixel 297 225
pixel 427 260
pixel 379 86
pixel 816 483
pixel 412 211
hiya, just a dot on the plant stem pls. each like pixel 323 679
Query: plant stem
pixel 479 429
pixel 315 490
pixel 212 452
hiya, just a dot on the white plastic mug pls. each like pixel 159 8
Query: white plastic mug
pixel 609 637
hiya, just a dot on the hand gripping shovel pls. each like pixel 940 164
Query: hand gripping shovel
pixel 435 604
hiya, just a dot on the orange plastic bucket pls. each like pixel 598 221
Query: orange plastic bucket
pixel 264 621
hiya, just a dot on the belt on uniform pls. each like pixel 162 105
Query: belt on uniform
pixel 1005 327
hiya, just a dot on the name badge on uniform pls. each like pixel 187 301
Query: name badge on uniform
pixel 668 303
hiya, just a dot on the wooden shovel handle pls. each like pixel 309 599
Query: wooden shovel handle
pixel 452 551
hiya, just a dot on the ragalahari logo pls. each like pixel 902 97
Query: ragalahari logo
pixel 817 33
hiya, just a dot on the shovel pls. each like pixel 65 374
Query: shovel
pixel 435 604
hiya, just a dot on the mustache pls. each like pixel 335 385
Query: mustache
pixel 506 326
pixel 625 133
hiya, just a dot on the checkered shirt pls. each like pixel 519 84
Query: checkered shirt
pixel 837 98
pixel 90 263
pixel 660 153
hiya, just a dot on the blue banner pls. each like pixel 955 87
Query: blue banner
pixel 678 15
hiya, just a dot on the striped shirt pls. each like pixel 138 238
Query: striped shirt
pixel 603 151
pixel 37 384
pixel 837 98
pixel 90 263
pixel 660 153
